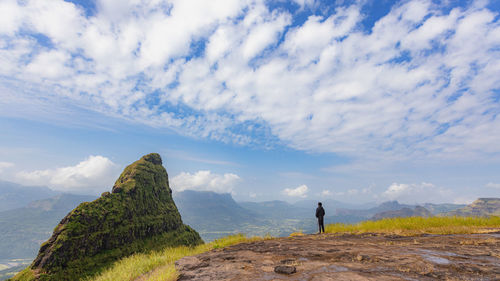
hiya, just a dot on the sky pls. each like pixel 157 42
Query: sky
pixel 355 101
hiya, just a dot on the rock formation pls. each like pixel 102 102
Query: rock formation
pixel 139 215
pixel 482 207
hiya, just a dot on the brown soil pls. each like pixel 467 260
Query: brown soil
pixel 351 257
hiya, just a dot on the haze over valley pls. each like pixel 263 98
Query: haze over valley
pixel 213 215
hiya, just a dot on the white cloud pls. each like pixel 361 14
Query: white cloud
pixel 300 191
pixel 263 35
pixel 49 65
pixel 490 185
pixel 5 165
pixel 91 176
pixel 464 200
pixel 326 193
pixel 417 193
pixel 205 181
pixel 395 190
pixel 303 3
pixel 11 16
pixel 416 85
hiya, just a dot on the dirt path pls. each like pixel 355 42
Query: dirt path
pixel 351 257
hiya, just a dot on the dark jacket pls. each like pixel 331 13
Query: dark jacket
pixel 320 212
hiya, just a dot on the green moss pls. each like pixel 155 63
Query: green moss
pixel 140 215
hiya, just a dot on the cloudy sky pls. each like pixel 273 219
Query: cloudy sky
pixel 357 101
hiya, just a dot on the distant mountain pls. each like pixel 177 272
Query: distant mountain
pixel 215 215
pixel 301 215
pixel 302 209
pixel 442 208
pixel 480 208
pixel 209 212
pixel 279 209
pixel 22 230
pixel 418 211
pixel 330 205
pixel 13 195
pixel 369 213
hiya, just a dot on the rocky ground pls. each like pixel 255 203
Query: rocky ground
pixel 351 257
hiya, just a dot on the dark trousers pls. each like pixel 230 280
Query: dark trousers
pixel 321 225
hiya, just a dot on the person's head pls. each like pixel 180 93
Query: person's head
pixel 319 204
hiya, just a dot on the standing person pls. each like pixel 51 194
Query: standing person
pixel 320 213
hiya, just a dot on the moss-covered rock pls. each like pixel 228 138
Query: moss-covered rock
pixel 139 215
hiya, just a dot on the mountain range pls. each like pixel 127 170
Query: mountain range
pixel 22 230
pixel 479 208
pixel 14 195
pixel 418 211
pixel 213 215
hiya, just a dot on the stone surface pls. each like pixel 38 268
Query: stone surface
pixel 353 257
pixel 285 269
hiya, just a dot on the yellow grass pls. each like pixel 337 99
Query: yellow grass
pixel 160 265
pixel 297 233
pixel 419 225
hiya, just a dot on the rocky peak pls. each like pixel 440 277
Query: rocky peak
pixel 139 215
pixel 153 158
pixel 146 173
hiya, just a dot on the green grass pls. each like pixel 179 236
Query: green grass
pixel 419 225
pixel 25 275
pixel 160 265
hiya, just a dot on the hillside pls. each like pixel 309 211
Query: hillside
pixel 13 196
pixel 139 215
pixel 368 213
pixel 353 215
pixel 442 208
pixel 418 211
pixel 212 214
pixel 216 215
pixel 23 230
pixel 479 208
pixel 278 209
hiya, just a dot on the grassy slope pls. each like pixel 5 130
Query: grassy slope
pixel 160 265
pixel 23 229
pixel 419 225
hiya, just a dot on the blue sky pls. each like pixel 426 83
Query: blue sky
pixel 356 101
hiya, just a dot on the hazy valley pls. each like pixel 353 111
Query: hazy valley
pixel 213 215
